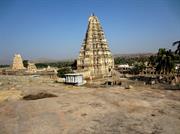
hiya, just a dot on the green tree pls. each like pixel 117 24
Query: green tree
pixel 152 60
pixel 59 64
pixel 3 66
pixel 41 65
pixel 177 51
pixel 165 61
pixel 120 60
pixel 63 71
pixel 25 63
pixel 138 67
pixel 74 65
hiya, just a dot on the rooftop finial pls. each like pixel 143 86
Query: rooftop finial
pixel 92 14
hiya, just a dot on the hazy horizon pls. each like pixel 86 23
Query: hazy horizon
pixel 54 29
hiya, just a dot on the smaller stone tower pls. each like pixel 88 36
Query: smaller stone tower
pixel 32 68
pixel 17 62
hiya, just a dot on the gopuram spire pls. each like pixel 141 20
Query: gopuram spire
pixel 95 55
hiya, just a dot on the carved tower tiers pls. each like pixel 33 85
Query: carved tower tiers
pixel 17 62
pixel 95 55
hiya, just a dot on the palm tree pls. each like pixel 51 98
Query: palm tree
pixel 169 61
pixel 161 60
pixel 165 61
pixel 152 60
pixel 178 46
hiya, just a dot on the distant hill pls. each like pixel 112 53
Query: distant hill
pixel 134 55
pixel 46 60
pixel 5 62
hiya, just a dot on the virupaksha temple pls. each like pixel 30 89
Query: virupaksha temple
pixel 95 58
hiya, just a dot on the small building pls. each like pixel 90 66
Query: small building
pixel 124 68
pixel 76 79
pixel 149 70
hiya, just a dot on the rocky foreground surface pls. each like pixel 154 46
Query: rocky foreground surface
pixel 33 105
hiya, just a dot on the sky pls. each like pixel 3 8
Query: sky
pixel 55 29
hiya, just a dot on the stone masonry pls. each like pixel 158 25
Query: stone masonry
pixel 17 62
pixel 32 68
pixel 95 55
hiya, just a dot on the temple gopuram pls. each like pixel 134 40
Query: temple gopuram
pixel 17 62
pixel 95 58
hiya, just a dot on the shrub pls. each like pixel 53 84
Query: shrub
pixel 63 71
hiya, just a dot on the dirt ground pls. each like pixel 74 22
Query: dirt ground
pixel 85 109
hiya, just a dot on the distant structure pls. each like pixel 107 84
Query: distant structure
pixel 124 68
pixel 17 62
pixel 75 79
pixel 19 69
pixel 32 68
pixel 95 56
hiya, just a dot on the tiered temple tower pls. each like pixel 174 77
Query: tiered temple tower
pixel 95 55
pixel 31 68
pixel 17 62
